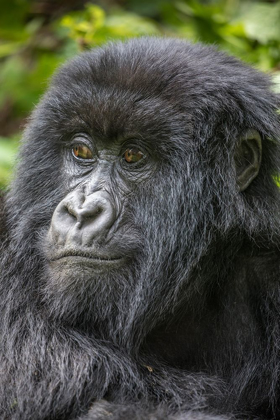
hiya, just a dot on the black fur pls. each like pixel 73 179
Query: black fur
pixel 189 327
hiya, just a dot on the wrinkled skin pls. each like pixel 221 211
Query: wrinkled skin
pixel 140 252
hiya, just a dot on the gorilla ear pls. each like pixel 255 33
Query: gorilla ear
pixel 247 158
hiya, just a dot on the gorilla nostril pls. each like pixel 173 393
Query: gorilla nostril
pixel 71 211
pixel 90 212
pixel 83 216
pixel 97 211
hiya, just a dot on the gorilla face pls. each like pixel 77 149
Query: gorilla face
pixel 109 237
pixel 93 245
pixel 141 180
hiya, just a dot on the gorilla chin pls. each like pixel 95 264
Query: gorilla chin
pixel 84 290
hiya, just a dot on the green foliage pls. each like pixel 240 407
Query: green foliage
pixel 247 29
pixel 91 26
pixel 33 45
pixel 261 22
pixel 8 149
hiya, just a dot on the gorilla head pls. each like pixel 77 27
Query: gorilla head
pixel 145 214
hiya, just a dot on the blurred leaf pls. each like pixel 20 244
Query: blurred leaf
pixel 92 27
pixel 26 80
pixel 84 23
pixel 13 13
pixel 262 21
pixel 9 48
pixel 129 24
pixel 148 7
pixel 276 80
pixel 8 149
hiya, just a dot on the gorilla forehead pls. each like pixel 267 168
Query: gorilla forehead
pixel 161 65
pixel 117 92
pixel 156 88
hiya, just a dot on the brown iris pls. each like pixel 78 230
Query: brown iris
pixel 133 155
pixel 81 151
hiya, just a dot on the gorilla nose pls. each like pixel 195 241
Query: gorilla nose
pixel 79 218
pixel 96 210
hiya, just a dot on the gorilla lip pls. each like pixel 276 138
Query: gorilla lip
pixel 97 258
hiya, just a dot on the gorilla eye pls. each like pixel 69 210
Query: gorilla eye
pixel 133 155
pixel 81 151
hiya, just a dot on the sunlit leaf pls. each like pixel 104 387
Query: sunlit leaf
pixel 262 21
pixel 8 148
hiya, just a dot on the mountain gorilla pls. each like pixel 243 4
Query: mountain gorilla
pixel 140 273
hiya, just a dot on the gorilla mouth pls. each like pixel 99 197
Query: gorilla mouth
pixel 82 255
